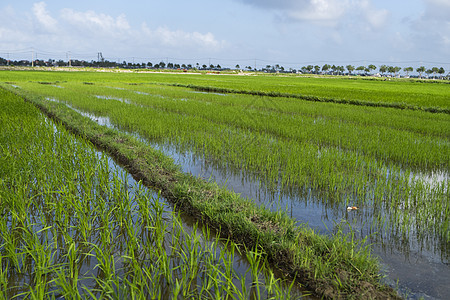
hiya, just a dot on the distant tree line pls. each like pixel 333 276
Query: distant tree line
pixel 103 63
pixel 383 70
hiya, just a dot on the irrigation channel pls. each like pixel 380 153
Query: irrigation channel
pixel 416 268
pixel 208 256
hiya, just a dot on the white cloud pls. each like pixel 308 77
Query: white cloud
pixel 91 20
pixel 328 13
pixel 318 10
pixel 374 18
pixel 180 38
pixel 304 10
pixel 43 17
pixel 94 31
pixel 432 28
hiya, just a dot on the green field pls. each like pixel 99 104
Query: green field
pixel 390 161
pixel 434 94
pixel 72 226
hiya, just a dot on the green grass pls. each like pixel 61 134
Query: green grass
pixel 374 155
pixel 296 250
pixel 397 93
pixel 72 227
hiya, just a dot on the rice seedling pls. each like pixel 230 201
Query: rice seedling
pixel 334 150
pixel 72 226
pixel 369 157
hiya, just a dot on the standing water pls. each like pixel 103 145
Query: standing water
pixel 421 266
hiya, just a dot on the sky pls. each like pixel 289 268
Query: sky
pixel 291 33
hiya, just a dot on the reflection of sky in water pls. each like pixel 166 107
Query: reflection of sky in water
pixel 113 98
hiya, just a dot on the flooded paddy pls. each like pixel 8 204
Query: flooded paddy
pixel 419 263
pixel 416 256
pixel 75 224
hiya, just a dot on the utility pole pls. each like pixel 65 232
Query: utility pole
pixel 32 57
pixel 69 61
pixel 7 54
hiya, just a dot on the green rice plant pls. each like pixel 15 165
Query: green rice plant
pixel 272 153
pixel 94 212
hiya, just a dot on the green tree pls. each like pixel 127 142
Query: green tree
pixel 237 67
pixel 316 69
pixel 435 70
pixel 441 71
pixel 383 69
pixel 350 69
pixel 391 69
pixel 372 67
pixel 420 70
pixel 359 69
pixel 333 69
pixel 326 67
pixel 408 69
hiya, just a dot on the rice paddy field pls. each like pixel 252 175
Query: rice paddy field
pixel 74 225
pixel 369 156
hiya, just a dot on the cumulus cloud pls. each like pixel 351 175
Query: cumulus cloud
pixel 91 20
pixel 331 13
pixel 318 10
pixel 91 31
pixel 375 18
pixel 176 38
pixel 303 10
pixel 432 28
pixel 43 17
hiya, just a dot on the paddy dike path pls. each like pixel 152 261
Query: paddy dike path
pixel 334 267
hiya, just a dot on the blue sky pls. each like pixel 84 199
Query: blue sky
pixel 291 33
